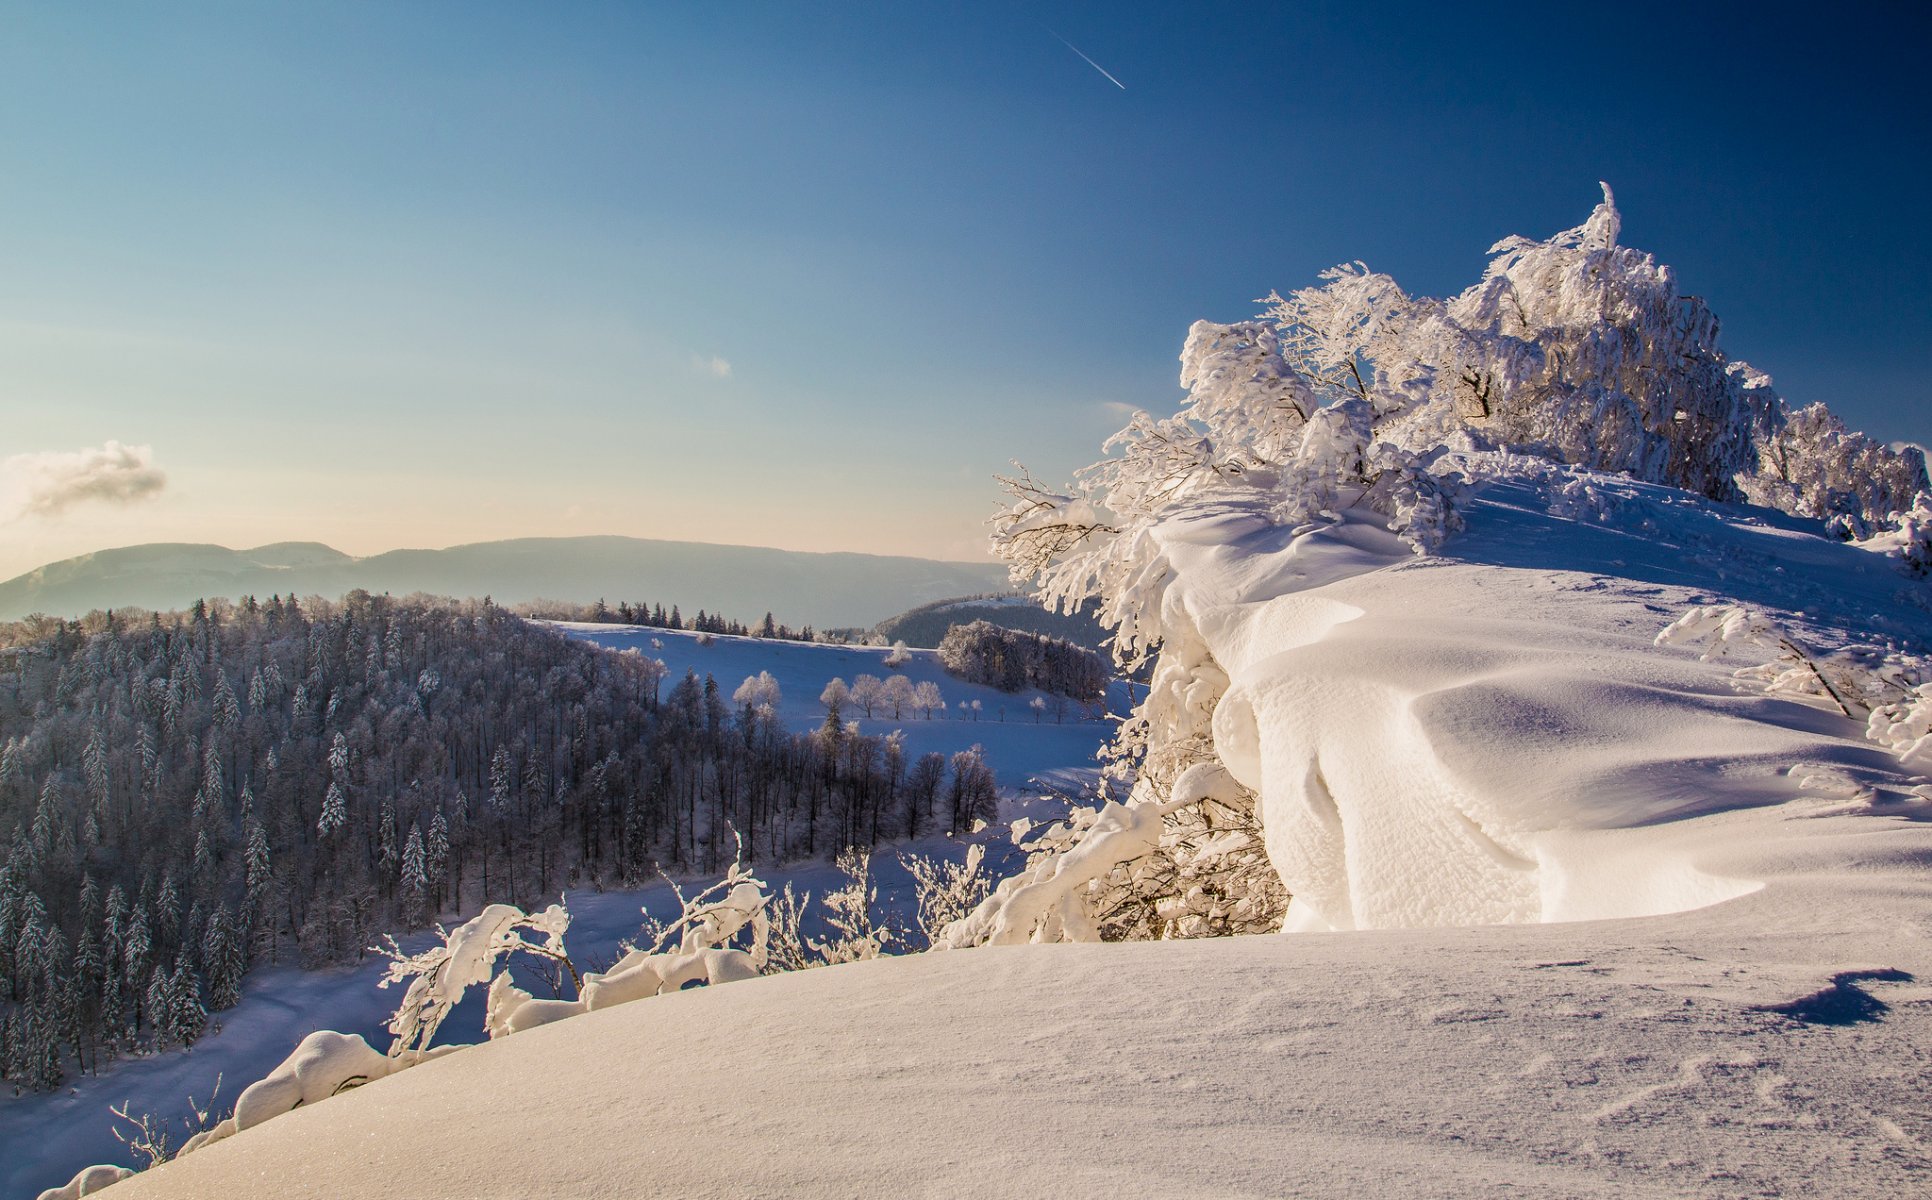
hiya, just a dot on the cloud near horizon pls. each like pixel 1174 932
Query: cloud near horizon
pixel 47 483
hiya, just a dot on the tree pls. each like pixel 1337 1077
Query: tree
pixel 335 812
pixel 835 697
pixel 898 693
pixel 759 691
pixel 866 690
pixel 975 793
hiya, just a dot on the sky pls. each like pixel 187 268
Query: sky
pixel 807 276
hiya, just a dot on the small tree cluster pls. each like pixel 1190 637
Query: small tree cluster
pixel 1012 660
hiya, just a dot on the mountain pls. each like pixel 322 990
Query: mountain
pixel 740 581
pixel 926 625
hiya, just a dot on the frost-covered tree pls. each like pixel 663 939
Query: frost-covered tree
pixel 759 691
pixel 898 694
pixel 1354 394
pixel 866 690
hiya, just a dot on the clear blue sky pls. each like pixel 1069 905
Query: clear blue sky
pixel 410 273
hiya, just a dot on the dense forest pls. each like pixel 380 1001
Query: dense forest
pixel 184 796
pixel 1012 659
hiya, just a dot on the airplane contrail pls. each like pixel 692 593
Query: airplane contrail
pixel 1090 62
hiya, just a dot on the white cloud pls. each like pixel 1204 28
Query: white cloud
pixel 49 482
pixel 715 366
pixel 1117 410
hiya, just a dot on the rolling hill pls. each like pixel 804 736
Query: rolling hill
pixel 740 581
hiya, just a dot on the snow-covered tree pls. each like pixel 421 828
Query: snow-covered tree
pixel 866 691
pixel 898 694
pixel 1353 394
pixel 759 691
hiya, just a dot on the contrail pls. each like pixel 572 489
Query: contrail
pixel 1090 62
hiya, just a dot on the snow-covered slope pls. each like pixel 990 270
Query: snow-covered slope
pixel 1486 736
pixel 1019 743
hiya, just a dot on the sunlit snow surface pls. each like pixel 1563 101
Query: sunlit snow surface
pixel 1489 735
pixel 1441 745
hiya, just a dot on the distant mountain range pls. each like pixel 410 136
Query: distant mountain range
pixel 743 582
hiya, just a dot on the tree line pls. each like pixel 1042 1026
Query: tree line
pixel 185 796
pixel 654 617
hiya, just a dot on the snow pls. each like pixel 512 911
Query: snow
pixel 1492 735
pixel 1616 1059
pixel 1579 915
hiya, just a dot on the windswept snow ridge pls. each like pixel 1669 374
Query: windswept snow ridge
pixel 1491 734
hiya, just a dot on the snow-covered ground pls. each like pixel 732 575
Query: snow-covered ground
pixel 46 1137
pixel 1439 745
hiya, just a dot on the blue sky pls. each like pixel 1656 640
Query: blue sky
pixel 415 274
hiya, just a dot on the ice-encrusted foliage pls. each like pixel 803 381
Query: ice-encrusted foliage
pixel 436 978
pixel 1352 393
pixel 1187 865
pixel 1889 690
pixel 1813 466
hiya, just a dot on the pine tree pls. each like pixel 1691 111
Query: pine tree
pixel 415 877
pixel 335 813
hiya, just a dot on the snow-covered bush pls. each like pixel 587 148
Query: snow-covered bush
pixel 1889 691
pixel 437 977
pixel 1120 871
pixel 851 933
pixel 945 892
pixel 1908 537
pixel 87 1181
pixel 1353 394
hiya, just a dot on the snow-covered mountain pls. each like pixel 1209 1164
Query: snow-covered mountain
pixel 1707 982
pixel 742 581
pixel 1580 691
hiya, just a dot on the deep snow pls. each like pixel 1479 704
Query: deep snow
pixel 1486 736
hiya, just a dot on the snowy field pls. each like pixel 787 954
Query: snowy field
pixel 46 1137
pixel 1020 744
pixel 1467 765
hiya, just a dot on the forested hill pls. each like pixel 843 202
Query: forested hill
pixel 184 796
pixel 825 590
pixel 926 625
